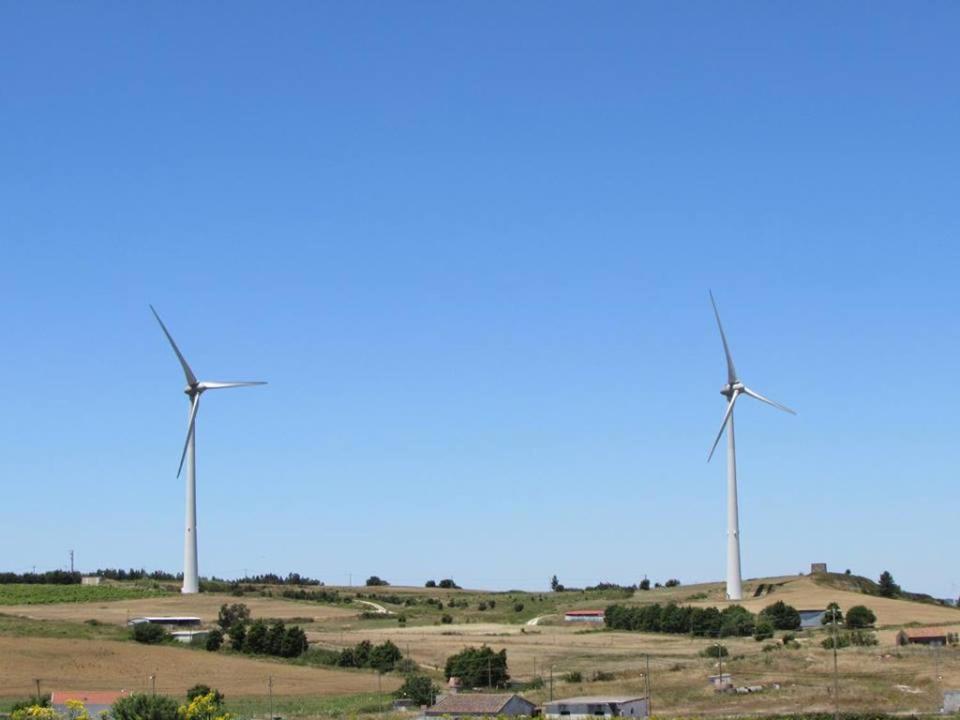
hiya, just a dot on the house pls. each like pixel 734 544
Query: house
pixel 95 702
pixel 189 636
pixel 922 636
pixel 595 616
pixel 481 705
pixel 183 621
pixel 91 580
pixel 577 708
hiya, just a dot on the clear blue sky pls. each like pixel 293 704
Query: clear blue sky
pixel 469 246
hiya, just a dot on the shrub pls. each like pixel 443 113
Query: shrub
pixel 842 640
pixel 832 614
pixel 481 606
pixel 860 616
pixel 863 638
pixel 374 581
pixel 214 640
pixel 672 582
pixel 35 712
pixel 418 688
pixel 200 690
pixel 384 657
pixel 645 584
pixel 238 636
pixel 715 651
pixel 141 706
pixel 431 584
pixel 574 676
pixel 518 606
pixel 446 618
pixel 602 676
pixel 149 634
pixel 448 584
pixel 782 616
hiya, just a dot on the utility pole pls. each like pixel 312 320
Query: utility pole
pixel 836 675
pixel 270 693
pixel 153 684
pixel 37 681
pixel 489 673
pixel 71 562
pixel 646 684
pixel 551 683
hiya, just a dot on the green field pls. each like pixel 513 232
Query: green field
pixel 46 594
pixel 12 626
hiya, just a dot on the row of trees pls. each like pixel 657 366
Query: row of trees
pixel 383 657
pixel 446 583
pixel 276 639
pixel 202 703
pixel 557 586
pixel 672 618
pixel 51 577
pixel 135 574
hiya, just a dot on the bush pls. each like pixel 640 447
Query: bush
pixel 842 640
pixel 860 616
pixel 481 606
pixel 832 614
pixel 140 706
pixel 478 667
pixel 431 584
pixel 645 584
pixel 518 606
pixel 446 619
pixel 199 690
pixel 418 688
pixel 574 676
pixel 714 651
pixel 238 636
pixel 449 584
pixel 384 657
pixel 149 634
pixel 374 581
pixel 602 676
pixel 214 640
pixel 230 615
pixel 672 582
pixel 863 638
pixel 782 616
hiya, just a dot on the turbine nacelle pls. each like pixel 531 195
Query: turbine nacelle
pixel 728 390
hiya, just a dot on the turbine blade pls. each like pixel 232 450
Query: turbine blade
pixel 723 425
pixel 195 405
pixel 731 370
pixel 214 385
pixel 768 401
pixel 191 378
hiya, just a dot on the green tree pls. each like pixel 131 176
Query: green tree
pixel 214 640
pixel 149 634
pixel 833 614
pixel 736 621
pixel 672 582
pixel 384 657
pixel 230 615
pixel 431 584
pixel 888 588
pixel 449 584
pixel 478 667
pixel 141 706
pixel 256 641
pixel 645 584
pixel 555 584
pixel 374 581
pixel 782 616
pixel 294 642
pixel 275 638
pixel 418 688
pixel 860 616
pixel 238 636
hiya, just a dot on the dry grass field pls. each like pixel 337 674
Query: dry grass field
pixel 106 665
pixel 205 606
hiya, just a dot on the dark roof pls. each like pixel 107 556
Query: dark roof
pixel 584 612
pixel 474 704
pixel 596 700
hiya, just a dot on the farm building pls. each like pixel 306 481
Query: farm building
pixel 184 621
pixel 189 636
pixel 922 636
pixel 576 708
pixel 481 705
pixel 91 580
pixel 595 616
pixel 811 618
pixel 95 702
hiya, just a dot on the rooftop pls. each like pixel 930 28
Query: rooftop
pixel 95 697
pixel 924 632
pixel 475 703
pixel 595 700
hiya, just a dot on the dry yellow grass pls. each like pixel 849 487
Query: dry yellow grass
pixel 106 665
pixel 204 605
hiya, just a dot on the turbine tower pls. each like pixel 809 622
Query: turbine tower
pixel 194 389
pixel 732 390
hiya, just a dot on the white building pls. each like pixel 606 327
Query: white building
pixel 581 708
pixel 592 616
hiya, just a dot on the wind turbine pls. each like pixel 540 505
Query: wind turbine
pixel 732 390
pixel 194 389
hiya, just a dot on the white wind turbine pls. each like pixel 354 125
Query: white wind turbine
pixel 194 389
pixel 732 390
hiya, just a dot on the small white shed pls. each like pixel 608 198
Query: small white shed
pixel 580 708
